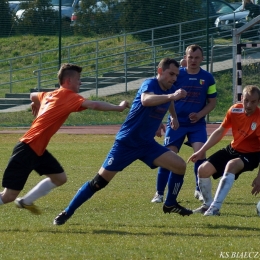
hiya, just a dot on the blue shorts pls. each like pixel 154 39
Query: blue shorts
pixel 194 133
pixel 122 155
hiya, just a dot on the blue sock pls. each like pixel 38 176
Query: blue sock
pixel 83 194
pixel 174 186
pixel 196 167
pixel 162 179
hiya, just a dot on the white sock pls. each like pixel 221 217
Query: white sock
pixel 224 187
pixel 205 188
pixel 40 190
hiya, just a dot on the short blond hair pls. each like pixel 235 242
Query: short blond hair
pixel 251 89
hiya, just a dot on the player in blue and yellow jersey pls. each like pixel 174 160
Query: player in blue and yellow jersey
pixel 191 112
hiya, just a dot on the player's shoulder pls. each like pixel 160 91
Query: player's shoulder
pixel 205 73
pixel 149 81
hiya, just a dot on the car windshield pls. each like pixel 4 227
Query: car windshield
pixel 239 9
pixel 12 6
pixel 63 2
pixel 222 8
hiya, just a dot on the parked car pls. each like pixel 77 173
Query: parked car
pixel 235 5
pixel 233 20
pixel 14 6
pixel 238 18
pixel 216 7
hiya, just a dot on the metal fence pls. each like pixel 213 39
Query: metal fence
pixel 101 57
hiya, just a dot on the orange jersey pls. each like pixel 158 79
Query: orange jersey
pixel 55 108
pixel 245 129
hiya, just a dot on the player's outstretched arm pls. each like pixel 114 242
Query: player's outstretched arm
pixel 214 138
pixel 105 106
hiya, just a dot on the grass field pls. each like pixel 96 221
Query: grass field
pixel 120 222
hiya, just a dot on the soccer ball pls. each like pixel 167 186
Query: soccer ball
pixel 258 208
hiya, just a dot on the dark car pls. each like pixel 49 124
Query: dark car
pixel 14 6
pixel 235 4
pixel 233 20
pixel 216 7
pixel 225 23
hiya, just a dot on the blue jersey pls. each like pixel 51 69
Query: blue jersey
pixel 142 122
pixel 199 87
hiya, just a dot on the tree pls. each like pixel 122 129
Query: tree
pixel 6 20
pixel 98 17
pixel 38 18
pixel 143 14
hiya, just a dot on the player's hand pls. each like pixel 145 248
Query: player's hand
pixel 161 128
pixel 195 157
pixel 124 104
pixel 179 94
pixel 194 117
pixel 256 185
pixel 35 109
pixel 174 123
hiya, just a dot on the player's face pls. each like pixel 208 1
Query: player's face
pixel 194 59
pixel 75 82
pixel 168 77
pixel 250 102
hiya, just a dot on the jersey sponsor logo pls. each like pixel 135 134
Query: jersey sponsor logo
pixel 192 78
pixel 253 126
pixel 202 81
pixel 237 110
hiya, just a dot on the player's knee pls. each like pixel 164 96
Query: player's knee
pixel 63 180
pixel 204 170
pixel 181 168
pixel 98 183
pixel 58 179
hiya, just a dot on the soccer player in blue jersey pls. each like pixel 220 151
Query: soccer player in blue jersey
pixel 135 140
pixel 191 112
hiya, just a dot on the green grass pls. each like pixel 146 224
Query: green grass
pixel 119 222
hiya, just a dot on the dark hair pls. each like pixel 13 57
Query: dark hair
pixel 252 89
pixel 166 62
pixel 193 48
pixel 66 70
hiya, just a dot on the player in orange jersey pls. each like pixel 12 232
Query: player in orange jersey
pixel 51 110
pixel 241 155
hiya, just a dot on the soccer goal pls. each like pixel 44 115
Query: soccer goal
pixel 248 61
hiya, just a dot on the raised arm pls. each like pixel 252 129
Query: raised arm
pixel 105 106
pixel 150 99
